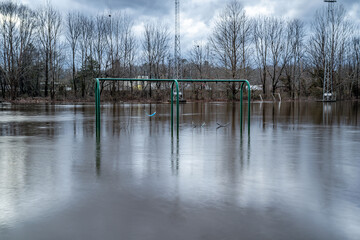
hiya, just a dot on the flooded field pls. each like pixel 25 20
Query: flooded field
pixel 297 176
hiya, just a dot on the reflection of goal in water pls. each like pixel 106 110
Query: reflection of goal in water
pixel 175 93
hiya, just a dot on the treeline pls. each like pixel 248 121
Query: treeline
pixel 44 54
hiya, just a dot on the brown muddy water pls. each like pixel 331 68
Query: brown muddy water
pixel 297 176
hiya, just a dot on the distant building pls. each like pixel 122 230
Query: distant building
pixel 255 87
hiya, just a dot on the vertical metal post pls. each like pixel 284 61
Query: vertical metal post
pixel 249 99
pixel 177 108
pixel 241 107
pixel 97 106
pixel 172 110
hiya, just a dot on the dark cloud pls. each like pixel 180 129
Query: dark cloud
pixel 139 7
pixel 199 10
pixel 197 16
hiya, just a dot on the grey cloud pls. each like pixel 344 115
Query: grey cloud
pixel 141 7
pixel 205 11
pixel 201 11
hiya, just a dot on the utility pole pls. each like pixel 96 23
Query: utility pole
pixel 328 94
pixel 113 90
pixel 111 48
pixel 177 49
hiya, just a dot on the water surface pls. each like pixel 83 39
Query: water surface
pixel 295 177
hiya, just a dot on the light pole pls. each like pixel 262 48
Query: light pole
pixel 111 46
pixel 328 94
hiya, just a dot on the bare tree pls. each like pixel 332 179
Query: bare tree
pixel 293 68
pixel 261 39
pixel 328 41
pixel 279 49
pixel 128 46
pixel 17 27
pixel 49 33
pixel 73 32
pixel 129 50
pixel 155 46
pixel 86 50
pixel 121 47
pixel 356 65
pixel 100 41
pixel 231 39
pixel 199 58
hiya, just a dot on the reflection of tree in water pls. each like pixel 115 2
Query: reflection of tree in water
pixel 294 114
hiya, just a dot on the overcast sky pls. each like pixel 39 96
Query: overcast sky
pixel 197 16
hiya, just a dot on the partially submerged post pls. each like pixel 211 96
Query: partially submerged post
pixel 97 107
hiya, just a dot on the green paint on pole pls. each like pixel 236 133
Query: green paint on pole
pixel 97 107
pixel 172 110
pixel 241 107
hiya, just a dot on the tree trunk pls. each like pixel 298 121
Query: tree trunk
pixel 73 74
pixel 46 73
pixel 264 81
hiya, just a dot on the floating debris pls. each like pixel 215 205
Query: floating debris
pixel 150 115
pixel 222 125
pixel 195 125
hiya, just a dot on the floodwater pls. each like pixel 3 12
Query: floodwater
pixel 297 176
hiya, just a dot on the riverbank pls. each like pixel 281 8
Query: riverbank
pixel 41 100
